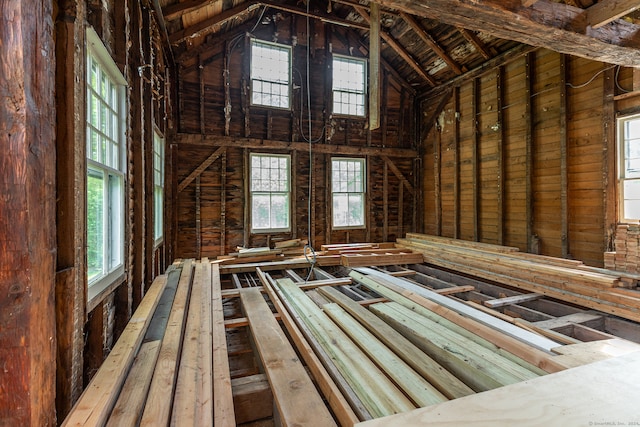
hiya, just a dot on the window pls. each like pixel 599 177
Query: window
pixel 158 186
pixel 347 189
pixel 270 192
pixel 105 125
pixel 349 79
pixel 629 166
pixel 270 74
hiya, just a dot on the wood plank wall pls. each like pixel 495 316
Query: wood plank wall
pixel 212 214
pixel 524 155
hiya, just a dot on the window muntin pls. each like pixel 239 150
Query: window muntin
pixel 158 186
pixel 348 192
pixel 349 79
pixel 105 123
pixel 270 192
pixel 270 74
pixel 629 166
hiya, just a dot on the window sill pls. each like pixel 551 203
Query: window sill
pixel 355 227
pixel 100 290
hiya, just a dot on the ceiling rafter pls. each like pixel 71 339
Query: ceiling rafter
pixel 176 10
pixel 545 24
pixel 431 42
pixel 476 42
pixel 401 51
pixel 606 11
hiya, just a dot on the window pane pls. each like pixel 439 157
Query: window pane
pixel 260 211
pixel 349 86
pixel 95 224
pixel 279 211
pixel 340 210
pixel 270 74
pixel 116 223
pixel 270 191
pixel 356 210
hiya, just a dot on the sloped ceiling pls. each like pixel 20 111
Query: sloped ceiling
pixel 427 42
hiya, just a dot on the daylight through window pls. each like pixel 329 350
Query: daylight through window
pixel 270 74
pixel 349 79
pixel 158 185
pixel 270 192
pixel 629 165
pixel 347 188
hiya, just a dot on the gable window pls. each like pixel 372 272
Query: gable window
pixel 347 190
pixel 270 74
pixel 349 77
pixel 270 192
pixel 105 124
pixel 158 186
pixel 629 166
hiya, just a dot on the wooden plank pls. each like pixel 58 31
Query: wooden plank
pixel 442 379
pixel 564 184
pixel 252 398
pixel 374 68
pixel 158 406
pixel 356 260
pixel 606 11
pixel 379 395
pixel 223 409
pixel 201 168
pixel 296 398
pixel 421 392
pixel 516 299
pixel 544 399
pixel 335 397
pixel 455 290
pixel 97 401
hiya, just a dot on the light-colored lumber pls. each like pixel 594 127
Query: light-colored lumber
pixel 464 243
pixel 252 398
pixel 193 402
pixel 506 343
pixel 379 395
pixel 131 401
pixel 507 328
pixel 158 406
pixel 556 336
pixel 569 319
pixel 442 379
pixel 593 351
pixel 96 402
pixel 421 392
pixel 356 260
pixel 515 299
pixel 455 290
pixel 337 401
pixel 296 398
pixel 575 397
pixel 223 412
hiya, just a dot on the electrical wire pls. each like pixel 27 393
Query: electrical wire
pixel 591 79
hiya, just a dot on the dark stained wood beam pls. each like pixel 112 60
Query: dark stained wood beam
pixel 431 42
pixel 554 26
pixel 176 10
pixel 401 51
pixel 606 11
pixel 264 144
pixel 476 42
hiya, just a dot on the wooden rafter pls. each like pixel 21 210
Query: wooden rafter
pixel 431 42
pixel 476 42
pixel 254 143
pixel 176 10
pixel 606 11
pixel 554 26
pixel 401 51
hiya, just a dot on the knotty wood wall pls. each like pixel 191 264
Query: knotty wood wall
pixel 211 217
pixel 524 155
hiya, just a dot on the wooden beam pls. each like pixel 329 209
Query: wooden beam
pixel 527 3
pixel 554 26
pixel 264 144
pixel 476 42
pixel 430 41
pixel 606 11
pixel 456 163
pixel 204 165
pixel 564 172
pixel 399 49
pixel 516 299
pixel 374 68
pixel 475 154
pixel 529 150
pixel 176 10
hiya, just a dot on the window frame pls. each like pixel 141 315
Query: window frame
pixel 252 192
pixel 272 45
pixel 622 170
pixel 363 193
pixel 158 188
pixel 113 170
pixel 364 93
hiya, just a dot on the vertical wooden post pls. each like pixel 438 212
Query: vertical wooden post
pixel 247 197
pixel 385 108
pixel 437 171
pixel 528 121
pixel 71 190
pixel 475 174
pixel 148 100
pixel 609 154
pixel 246 82
pixel 327 199
pixel 456 163
pixel 400 210
pixel 201 94
pixel 501 169
pixel 227 89
pixel 374 67
pixel 312 232
pixel 368 204
pixel 385 202
pixel 198 224
pixel 28 214
pixel 294 194
pixel 564 202
pixel 223 204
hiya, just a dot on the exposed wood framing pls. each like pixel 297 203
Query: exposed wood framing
pixel 198 224
pixel 247 198
pixel 398 173
pixel 476 42
pixel 500 91
pixel 609 153
pixel 430 41
pixel 528 121
pixel 437 169
pixel 223 204
pixel 545 24
pixel 385 202
pixel 564 197
pixel 606 11
pixel 456 160
pixel 475 174
pixel 198 171
pixel 374 68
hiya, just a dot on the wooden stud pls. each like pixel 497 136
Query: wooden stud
pixel 400 232
pixel 456 163
pixel 374 67
pixel 437 170
pixel 564 185
pixel 385 202
pixel 223 204
pixel 247 198
pixel 500 91
pixel 528 121
pixel 198 222
pixel 202 90
pixel 475 174
pixel 610 155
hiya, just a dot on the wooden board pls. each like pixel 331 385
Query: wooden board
pixel 297 400
pixel 541 401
